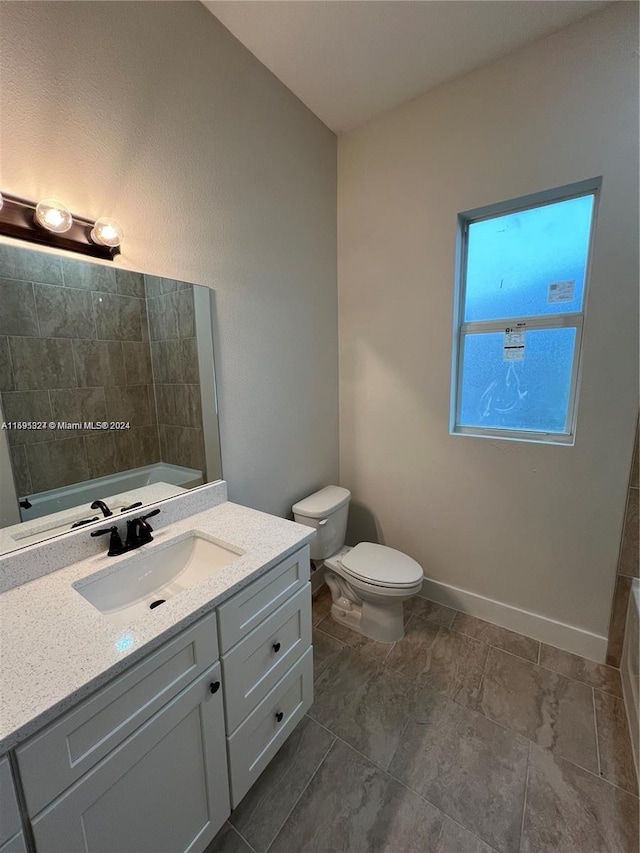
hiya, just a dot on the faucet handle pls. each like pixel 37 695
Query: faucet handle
pixel 133 506
pixel 145 528
pixel 133 540
pixel 150 514
pixel 115 542
pixel 84 521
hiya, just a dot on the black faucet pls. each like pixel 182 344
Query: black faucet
pixel 101 505
pixel 138 533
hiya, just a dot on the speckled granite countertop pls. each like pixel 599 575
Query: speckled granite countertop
pixel 56 648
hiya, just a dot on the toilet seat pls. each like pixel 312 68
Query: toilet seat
pixel 381 566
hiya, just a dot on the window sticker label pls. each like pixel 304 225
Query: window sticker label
pixel 561 291
pixel 514 343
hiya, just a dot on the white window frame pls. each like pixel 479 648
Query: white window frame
pixel 552 321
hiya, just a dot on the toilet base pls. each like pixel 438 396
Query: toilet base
pixel 374 616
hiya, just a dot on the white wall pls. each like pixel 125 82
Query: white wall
pixel 153 113
pixel 532 526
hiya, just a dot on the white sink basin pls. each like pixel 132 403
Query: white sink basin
pixel 145 581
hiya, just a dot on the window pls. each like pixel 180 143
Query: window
pixel 522 280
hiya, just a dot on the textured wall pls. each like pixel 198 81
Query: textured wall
pixel 528 525
pixel 155 114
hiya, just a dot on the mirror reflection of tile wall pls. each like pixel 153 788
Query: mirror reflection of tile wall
pixel 175 368
pixel 75 346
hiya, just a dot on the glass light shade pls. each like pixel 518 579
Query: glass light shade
pixel 107 232
pixel 1 201
pixel 53 216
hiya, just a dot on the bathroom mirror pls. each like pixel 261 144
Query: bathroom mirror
pixel 107 392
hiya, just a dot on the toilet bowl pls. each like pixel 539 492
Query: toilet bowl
pixel 369 583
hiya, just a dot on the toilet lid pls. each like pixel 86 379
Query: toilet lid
pixel 383 566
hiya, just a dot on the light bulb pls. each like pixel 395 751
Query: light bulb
pixel 53 216
pixel 106 232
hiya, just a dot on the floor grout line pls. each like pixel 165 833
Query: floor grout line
pixel 474 834
pixel 595 729
pixel 331 637
pixel 237 832
pixel 524 802
pixel 360 650
pixel 311 778
pixel 581 657
pixel 433 805
pixel 555 672
pixel 579 681
pixel 584 769
pixel 360 753
pixel 400 739
pixel 492 645
pixel 391 648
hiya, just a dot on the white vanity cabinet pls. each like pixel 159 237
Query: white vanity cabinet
pixel 163 791
pixel 141 766
pixel 11 837
pixel 154 761
pixel 267 667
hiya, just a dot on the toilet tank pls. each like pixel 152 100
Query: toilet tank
pixel 327 511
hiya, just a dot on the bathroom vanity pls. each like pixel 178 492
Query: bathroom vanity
pixel 141 736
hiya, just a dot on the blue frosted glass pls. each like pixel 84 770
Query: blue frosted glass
pixel 512 260
pixel 527 395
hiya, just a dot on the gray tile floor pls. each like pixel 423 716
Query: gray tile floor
pixel 461 738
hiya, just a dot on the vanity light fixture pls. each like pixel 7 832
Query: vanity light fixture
pixel 49 223
pixel 106 232
pixel 53 216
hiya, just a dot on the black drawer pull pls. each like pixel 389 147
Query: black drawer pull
pixel 279 716
pixel 276 647
pixel 214 686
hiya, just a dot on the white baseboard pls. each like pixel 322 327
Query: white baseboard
pixel 558 634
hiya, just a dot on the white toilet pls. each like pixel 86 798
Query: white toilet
pixel 368 583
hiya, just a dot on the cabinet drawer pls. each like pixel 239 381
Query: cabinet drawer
pixel 255 664
pixel 54 759
pixel 254 603
pixel 164 790
pixel 9 814
pixel 252 746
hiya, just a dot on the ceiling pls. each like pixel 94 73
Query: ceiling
pixel 349 60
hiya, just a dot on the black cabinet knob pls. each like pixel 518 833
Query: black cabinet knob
pixel 276 647
pixel 214 686
pixel 279 716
